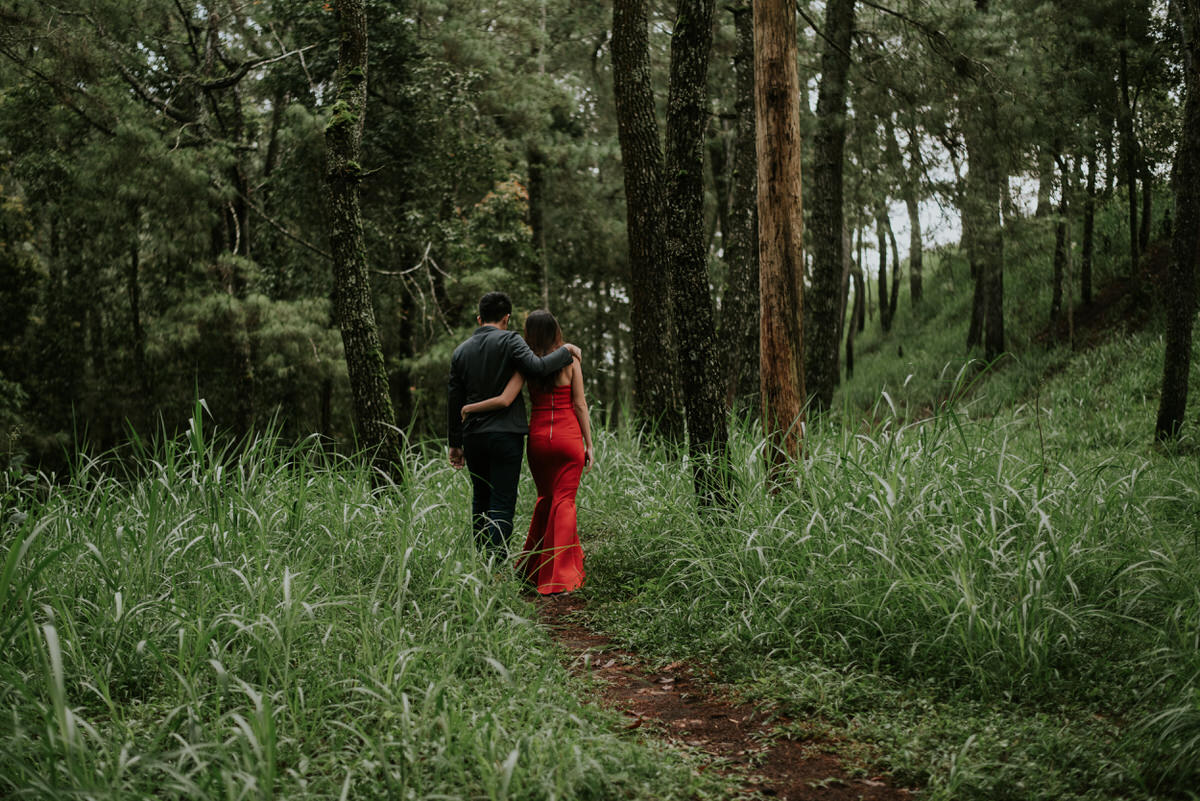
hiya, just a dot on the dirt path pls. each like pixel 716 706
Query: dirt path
pixel 685 708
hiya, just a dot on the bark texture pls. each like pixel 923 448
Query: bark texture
pixel 687 252
pixel 1185 243
pixel 740 310
pixel 351 285
pixel 781 265
pixel 826 216
pixel 655 381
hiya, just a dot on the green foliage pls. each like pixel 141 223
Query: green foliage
pixel 1001 604
pixel 222 624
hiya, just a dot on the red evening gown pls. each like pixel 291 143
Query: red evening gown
pixel 552 559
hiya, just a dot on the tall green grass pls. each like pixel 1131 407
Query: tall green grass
pixel 1005 604
pixel 261 622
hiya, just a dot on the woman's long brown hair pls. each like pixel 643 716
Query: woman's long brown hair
pixel 543 336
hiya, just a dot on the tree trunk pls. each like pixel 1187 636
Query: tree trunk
pixel 982 233
pixel 776 103
pixel 1147 204
pixel 1128 158
pixel 915 245
pixel 885 308
pixel 133 288
pixel 1180 290
pixel 894 297
pixel 1045 161
pixel 862 297
pixel 826 215
pixel 351 284
pixel 1060 253
pixel 687 254
pixel 655 381
pixel 1089 232
pixel 856 316
pixel 739 313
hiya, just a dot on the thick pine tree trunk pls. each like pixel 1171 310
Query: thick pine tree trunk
pixel 739 312
pixel 1185 244
pixel 823 301
pixel 687 253
pixel 655 380
pixel 781 265
pixel 351 285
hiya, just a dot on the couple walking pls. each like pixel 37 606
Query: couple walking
pixel 487 428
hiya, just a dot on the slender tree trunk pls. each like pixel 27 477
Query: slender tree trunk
pixel 1147 204
pixel 826 216
pixel 847 269
pixel 915 244
pixel 856 316
pixel 885 308
pixel 1045 181
pixel 739 313
pixel 655 380
pixel 1089 232
pixel 1185 243
pixel 133 288
pixel 1128 158
pixel 687 254
pixel 862 297
pixel 776 103
pixel 894 297
pixel 720 165
pixel 1060 252
pixel 351 284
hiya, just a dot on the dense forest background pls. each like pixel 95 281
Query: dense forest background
pixel 163 234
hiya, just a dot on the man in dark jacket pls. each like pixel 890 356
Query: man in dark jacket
pixel 492 444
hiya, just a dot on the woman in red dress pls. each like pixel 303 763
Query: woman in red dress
pixel 560 450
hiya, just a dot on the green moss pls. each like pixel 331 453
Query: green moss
pixel 342 115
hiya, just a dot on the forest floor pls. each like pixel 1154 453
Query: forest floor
pixel 1122 305
pixel 683 706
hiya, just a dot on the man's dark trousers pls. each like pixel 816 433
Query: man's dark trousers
pixel 494 462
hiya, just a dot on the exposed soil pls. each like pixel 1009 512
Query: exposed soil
pixel 684 706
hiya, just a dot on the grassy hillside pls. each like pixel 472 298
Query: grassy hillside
pixel 988 575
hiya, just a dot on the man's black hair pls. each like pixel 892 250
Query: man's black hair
pixel 493 306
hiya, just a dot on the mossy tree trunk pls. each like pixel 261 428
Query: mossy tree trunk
pixel 655 383
pixel 351 285
pixel 739 312
pixel 687 251
pixel 781 264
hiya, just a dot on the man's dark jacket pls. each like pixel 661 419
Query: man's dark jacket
pixel 480 369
